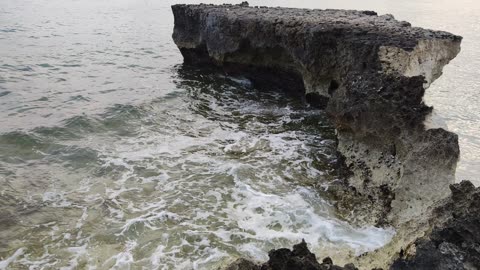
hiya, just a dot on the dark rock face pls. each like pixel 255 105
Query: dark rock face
pixel 369 72
pixel 300 258
pixel 454 242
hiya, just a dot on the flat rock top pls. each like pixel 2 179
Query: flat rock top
pixel 360 25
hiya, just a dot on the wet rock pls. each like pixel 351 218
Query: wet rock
pixel 369 72
pixel 454 240
pixel 299 258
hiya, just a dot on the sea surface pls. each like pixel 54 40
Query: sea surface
pixel 114 155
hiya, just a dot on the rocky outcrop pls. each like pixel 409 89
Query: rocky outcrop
pixel 369 72
pixel 453 242
pixel 299 258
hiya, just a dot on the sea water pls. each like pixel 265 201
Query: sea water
pixel 114 155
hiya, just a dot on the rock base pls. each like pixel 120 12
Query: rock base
pixel 299 258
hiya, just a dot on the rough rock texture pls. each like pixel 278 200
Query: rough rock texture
pixel 381 133
pixel 299 258
pixel 454 240
pixel 368 71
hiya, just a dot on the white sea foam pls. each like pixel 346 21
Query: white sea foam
pixel 124 259
pixel 4 264
pixel 77 253
pixel 193 190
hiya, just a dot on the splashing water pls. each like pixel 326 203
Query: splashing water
pixel 212 171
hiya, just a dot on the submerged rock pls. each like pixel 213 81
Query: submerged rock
pixel 299 258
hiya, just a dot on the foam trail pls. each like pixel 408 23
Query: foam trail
pixel 187 182
pixel 4 264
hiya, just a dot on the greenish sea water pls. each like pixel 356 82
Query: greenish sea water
pixel 113 155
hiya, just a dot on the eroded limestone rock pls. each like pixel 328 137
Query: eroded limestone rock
pixel 369 72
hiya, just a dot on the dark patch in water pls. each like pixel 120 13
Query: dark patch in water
pixel 19 147
pixel 82 124
pixel 19 138
pixel 122 112
pixel 74 157
pixel 79 98
pixel 57 133
pixel 4 93
pixel 44 65
pixel 71 65
pixel 8 30
pixel 26 68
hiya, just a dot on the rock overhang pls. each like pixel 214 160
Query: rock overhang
pixel 322 45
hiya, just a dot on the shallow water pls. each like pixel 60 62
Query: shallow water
pixel 115 156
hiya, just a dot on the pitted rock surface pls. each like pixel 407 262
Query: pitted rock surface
pixel 454 240
pixel 322 45
pixel 369 72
